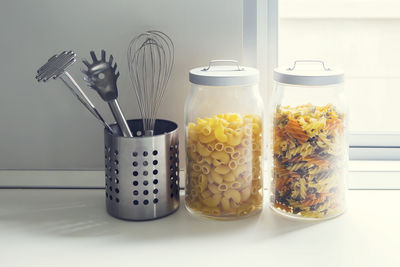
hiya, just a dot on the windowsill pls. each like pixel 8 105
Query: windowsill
pixel 71 228
pixel 363 174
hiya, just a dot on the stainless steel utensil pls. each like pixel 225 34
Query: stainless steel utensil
pixel 102 77
pixel 150 60
pixel 56 67
pixel 142 174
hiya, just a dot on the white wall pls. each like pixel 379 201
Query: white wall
pixel 360 36
pixel 43 125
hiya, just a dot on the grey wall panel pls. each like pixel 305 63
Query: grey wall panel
pixel 42 125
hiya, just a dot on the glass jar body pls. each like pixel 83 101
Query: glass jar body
pixel 224 151
pixel 309 152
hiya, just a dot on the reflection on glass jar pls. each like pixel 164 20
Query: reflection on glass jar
pixel 224 144
pixel 309 148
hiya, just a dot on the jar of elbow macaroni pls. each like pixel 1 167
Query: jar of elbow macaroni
pixel 224 141
pixel 309 151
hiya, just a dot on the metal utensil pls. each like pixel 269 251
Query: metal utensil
pixel 102 77
pixel 56 67
pixel 150 60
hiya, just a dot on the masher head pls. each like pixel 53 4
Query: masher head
pixel 55 66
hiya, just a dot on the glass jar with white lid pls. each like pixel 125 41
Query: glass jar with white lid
pixel 309 141
pixel 224 141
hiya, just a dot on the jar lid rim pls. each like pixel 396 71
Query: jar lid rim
pixel 308 76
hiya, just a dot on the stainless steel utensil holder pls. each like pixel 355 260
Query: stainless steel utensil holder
pixel 142 172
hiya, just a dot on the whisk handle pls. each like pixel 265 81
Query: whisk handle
pixel 119 117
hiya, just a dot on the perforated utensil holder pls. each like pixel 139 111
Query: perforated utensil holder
pixel 142 172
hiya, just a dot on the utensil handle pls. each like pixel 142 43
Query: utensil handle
pixel 85 100
pixel 119 117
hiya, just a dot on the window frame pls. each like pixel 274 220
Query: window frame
pixel 260 50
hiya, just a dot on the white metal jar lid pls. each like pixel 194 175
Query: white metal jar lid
pixel 225 75
pixel 308 73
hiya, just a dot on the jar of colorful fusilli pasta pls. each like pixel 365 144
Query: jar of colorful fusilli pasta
pixel 224 141
pixel 309 147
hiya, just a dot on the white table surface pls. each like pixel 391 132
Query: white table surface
pixel 70 227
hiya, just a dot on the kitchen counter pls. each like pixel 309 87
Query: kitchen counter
pixel 70 227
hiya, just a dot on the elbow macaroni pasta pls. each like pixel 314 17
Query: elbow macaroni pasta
pixel 224 159
pixel 309 156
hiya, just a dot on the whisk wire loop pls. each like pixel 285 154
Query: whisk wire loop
pixel 150 61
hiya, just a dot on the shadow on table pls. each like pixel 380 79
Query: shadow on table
pixel 85 216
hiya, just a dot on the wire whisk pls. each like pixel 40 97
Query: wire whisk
pixel 150 60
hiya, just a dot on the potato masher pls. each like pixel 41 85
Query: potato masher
pixel 56 67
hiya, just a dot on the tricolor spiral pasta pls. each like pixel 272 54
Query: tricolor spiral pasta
pixel 224 165
pixel 308 172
